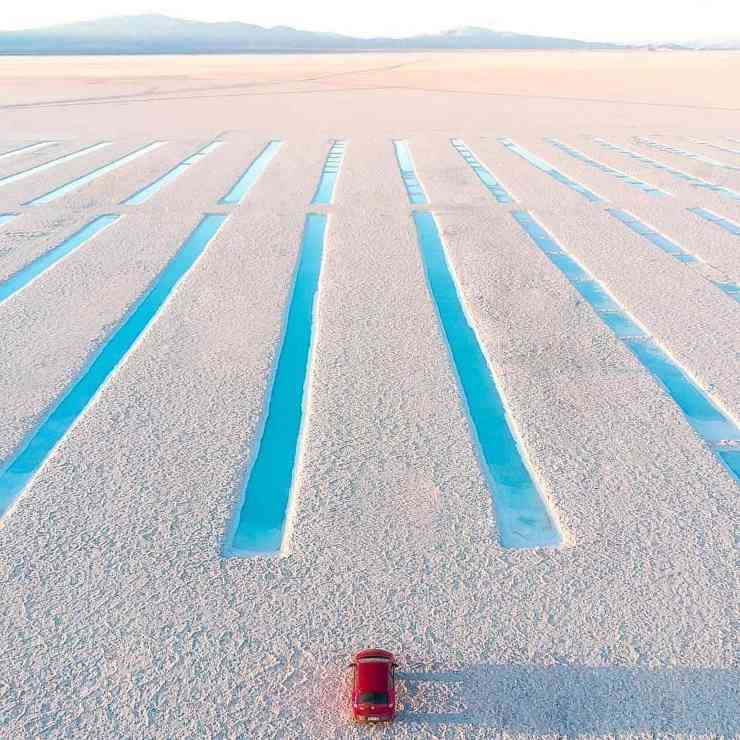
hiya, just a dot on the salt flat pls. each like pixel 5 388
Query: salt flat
pixel 120 614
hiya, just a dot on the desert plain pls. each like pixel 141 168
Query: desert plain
pixel 122 613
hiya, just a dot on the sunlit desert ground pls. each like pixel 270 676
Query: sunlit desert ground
pixel 122 610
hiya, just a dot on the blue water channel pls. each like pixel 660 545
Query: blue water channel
pixel 143 195
pixel 244 184
pixel 623 176
pixel 329 174
pixel 548 169
pixel 732 289
pixel 6 218
pixel 696 182
pixel 717 429
pixel 484 174
pixel 685 153
pixel 22 467
pixel 652 235
pixel 726 286
pixel 8 179
pixel 414 189
pixel 260 523
pixel 41 264
pixel 26 149
pixel 522 516
pixel 723 223
pixel 78 182
pixel 717 146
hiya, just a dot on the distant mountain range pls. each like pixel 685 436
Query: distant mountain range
pixel 159 34
pixel 713 42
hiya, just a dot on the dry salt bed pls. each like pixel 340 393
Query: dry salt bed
pixel 434 353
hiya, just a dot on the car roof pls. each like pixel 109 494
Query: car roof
pixel 372 674
pixel 374 653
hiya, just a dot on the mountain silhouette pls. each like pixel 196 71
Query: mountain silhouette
pixel 160 34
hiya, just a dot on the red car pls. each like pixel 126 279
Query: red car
pixel 373 687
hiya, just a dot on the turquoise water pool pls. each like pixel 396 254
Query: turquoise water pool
pixel 260 523
pixel 37 267
pixel 244 184
pixel 17 473
pixel 522 517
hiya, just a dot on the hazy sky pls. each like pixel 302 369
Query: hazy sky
pixel 628 19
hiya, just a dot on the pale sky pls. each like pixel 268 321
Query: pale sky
pixel 592 19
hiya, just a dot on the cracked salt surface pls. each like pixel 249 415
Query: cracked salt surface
pixel 29 459
pixel 78 182
pixel 119 616
pixel 41 264
pixel 522 514
pixel 260 524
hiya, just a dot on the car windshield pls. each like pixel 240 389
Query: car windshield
pixel 373 697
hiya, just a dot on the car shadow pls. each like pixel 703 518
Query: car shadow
pixel 573 699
